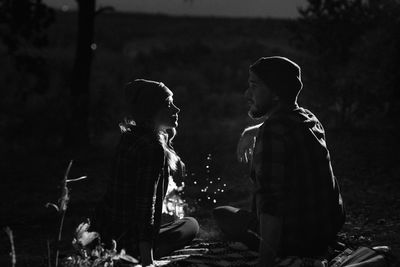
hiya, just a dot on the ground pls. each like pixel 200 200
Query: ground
pixel 365 164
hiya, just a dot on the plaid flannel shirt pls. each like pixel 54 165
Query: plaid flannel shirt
pixel 294 181
pixel 131 208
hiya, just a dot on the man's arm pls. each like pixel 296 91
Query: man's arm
pixel 270 178
pixel 270 231
pixel 244 150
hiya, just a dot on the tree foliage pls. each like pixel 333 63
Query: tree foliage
pixel 356 54
pixel 23 25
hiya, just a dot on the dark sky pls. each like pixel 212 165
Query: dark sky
pixel 232 8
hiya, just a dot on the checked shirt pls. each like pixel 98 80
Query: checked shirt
pixel 294 181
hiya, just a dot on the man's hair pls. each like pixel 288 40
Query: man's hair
pixel 281 75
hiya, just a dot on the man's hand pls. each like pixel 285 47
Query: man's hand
pixel 245 146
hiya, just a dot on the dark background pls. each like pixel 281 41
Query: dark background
pixel 61 99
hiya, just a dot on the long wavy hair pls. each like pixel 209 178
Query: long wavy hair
pixel 144 99
pixel 173 160
pixel 165 138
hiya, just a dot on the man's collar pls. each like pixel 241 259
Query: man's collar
pixel 282 108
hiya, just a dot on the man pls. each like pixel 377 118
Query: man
pixel 297 208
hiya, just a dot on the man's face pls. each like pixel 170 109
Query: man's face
pixel 259 96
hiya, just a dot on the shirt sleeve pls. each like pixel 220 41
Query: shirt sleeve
pixel 150 167
pixel 270 175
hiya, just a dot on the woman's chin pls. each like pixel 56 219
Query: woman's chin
pixel 171 125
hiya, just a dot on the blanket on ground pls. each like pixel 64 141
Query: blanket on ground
pixel 225 254
pixel 219 254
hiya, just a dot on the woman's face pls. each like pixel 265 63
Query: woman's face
pixel 167 116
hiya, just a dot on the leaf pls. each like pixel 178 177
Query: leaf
pixel 76 179
pixel 48 204
pixel 114 246
pixel 88 237
pixel 128 258
pixel 68 169
pixel 82 234
pixel 64 199
pixel 81 228
pixel 125 257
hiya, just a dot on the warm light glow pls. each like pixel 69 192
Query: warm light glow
pixel 64 8
pixel 173 204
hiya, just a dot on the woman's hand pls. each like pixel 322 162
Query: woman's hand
pixel 245 146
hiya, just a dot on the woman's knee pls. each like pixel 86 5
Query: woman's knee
pixel 192 227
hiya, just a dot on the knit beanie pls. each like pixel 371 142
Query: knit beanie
pixel 144 98
pixel 280 74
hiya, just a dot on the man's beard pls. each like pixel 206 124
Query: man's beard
pixel 256 113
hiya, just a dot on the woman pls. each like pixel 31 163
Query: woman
pixel 130 211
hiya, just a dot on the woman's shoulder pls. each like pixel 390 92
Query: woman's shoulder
pixel 143 142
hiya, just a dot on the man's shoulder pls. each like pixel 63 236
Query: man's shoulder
pixel 275 127
pixel 280 124
pixel 286 123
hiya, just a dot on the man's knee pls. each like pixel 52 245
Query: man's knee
pixel 223 212
pixel 224 216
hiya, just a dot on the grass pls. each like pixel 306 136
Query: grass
pixel 13 255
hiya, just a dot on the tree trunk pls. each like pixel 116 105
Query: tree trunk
pixel 77 130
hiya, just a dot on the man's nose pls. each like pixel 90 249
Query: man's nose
pixel 246 93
